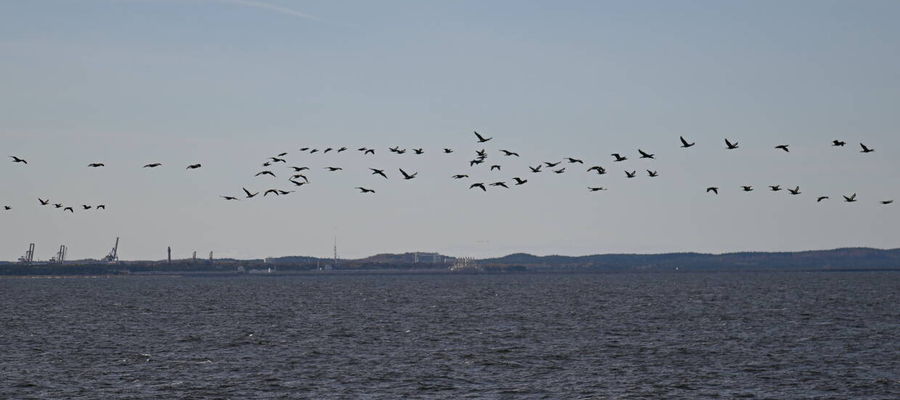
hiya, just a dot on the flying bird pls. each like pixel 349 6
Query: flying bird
pixel 334 169
pixel 100 207
pixel 865 149
pixel 712 189
pixel 795 191
pixel 310 152
pixel 7 208
pixel 270 173
pixel 408 176
pixel 193 166
pixel 850 199
pixel 535 169
pixel 152 165
pixel 96 165
pixel 326 150
pixel 18 160
pixel 478 185
pixel 783 147
pixel 886 202
pixel 284 192
pixel 249 195
pixel 520 181
pixel 44 202
pixel 419 151
pixel 364 190
pixel 684 143
pixel 481 139
pixel 551 164
pixel 378 172
pixel 596 189
pixel 447 151
pixel 747 188
pixel 731 146
pixel 652 174
pixel 282 154
pixel 69 209
pixel 559 171
pixel 342 149
pixel 509 153
pixel 631 174
pixel 819 200
pixel 475 162
pixel 300 176
pixel 574 160
pixel 600 170
pixel 775 188
pixel 460 176
pixel 297 183
pixel 276 159
pixel 493 167
pixel 645 154
pixel 298 169
pixel 501 184
pixel 85 206
pixel 618 157
pixel 838 143
pixel 369 151
pixel 57 205
pixel 224 197
pixel 273 191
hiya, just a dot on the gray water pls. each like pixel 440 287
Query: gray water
pixel 712 335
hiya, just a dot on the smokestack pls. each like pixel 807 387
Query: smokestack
pixel 169 259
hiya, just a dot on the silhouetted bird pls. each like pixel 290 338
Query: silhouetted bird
pixel 85 206
pixel 276 159
pixel 520 181
pixel 478 185
pixel 596 189
pixel 100 207
pixel 408 176
pixel 775 188
pixel 631 174
pixel 838 143
pixel 712 189
pixel 310 152
pixel 684 143
pixel 193 166
pixel 284 192
pixel 850 199
pixel 747 188
pixel 535 169
pixel 795 191
pixel 645 154
pixel 272 191
pixel 493 167
pixel 266 164
pixel 270 173
pixel 447 151
pixel 224 197
pixel 249 195
pixel 652 174
pixel 333 169
pixel 865 149
pixel 364 190
pixel 600 170
pixel 481 139
pixel 342 149
pixel 419 151
pixel 18 160
pixel 326 150
pixel 460 176
pixel 819 200
pixel 550 164
pixel 57 205
pixel 369 151
pixel 886 202
pixel 574 160
pixel 378 172
pixel 7 208
pixel 297 183
pixel 282 154
pixel 731 146
pixel 509 153
pixel 501 184
pixel 298 169
pixel 96 165
pixel 152 165
pixel 783 147
pixel 559 171
pixel 475 162
pixel 305 179
pixel 401 151
pixel 481 153
pixel 618 157
pixel 44 202
pixel 304 148
pixel 69 209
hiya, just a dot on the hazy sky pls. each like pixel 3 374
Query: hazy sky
pixel 227 83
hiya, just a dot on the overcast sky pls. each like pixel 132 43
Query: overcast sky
pixel 228 83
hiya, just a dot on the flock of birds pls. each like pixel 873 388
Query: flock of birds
pixel 298 174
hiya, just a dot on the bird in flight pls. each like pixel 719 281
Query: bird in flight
pixel 475 161
pixel 819 200
pixel 783 147
pixel 850 199
pixel 297 183
pixel 334 169
pixel 419 151
pixel 310 152
pixel 152 165
pixel 645 154
pixel 378 172
pixel 520 181
pixel 408 176
pixel 460 176
pixel 551 164
pixel 684 143
pixel 57 205
pixel 775 188
pixel 100 207
pixel 712 189
pixel 193 166
pixel 44 202
pixel 886 202
pixel 85 206
pixel 18 160
pixel 305 179
pixel 276 159
pixel 652 174
pixel 7 208
pixel 249 195
pixel 795 191
pixel 731 146
pixel 364 190
pixel 478 185
pixel 224 197
pixel 747 188
pixel 574 160
pixel 493 167
pixel 342 149
pixel 559 171
pixel 447 151
pixel 535 169
pixel 631 174
pixel 600 170
pixel 69 209
pixel 501 184
pixel 369 151
pixel 327 150
pixel 618 157
pixel 298 169
pixel 273 191
pixel 481 139
pixel 270 173
pixel 596 189
pixel 838 143
pixel 304 148
pixel 96 165
pixel 865 149
pixel 509 153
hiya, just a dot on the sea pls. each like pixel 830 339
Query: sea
pixel 728 335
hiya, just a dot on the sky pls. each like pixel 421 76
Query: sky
pixel 228 83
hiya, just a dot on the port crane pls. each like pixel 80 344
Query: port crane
pixel 113 255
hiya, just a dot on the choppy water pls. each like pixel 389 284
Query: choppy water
pixel 715 335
